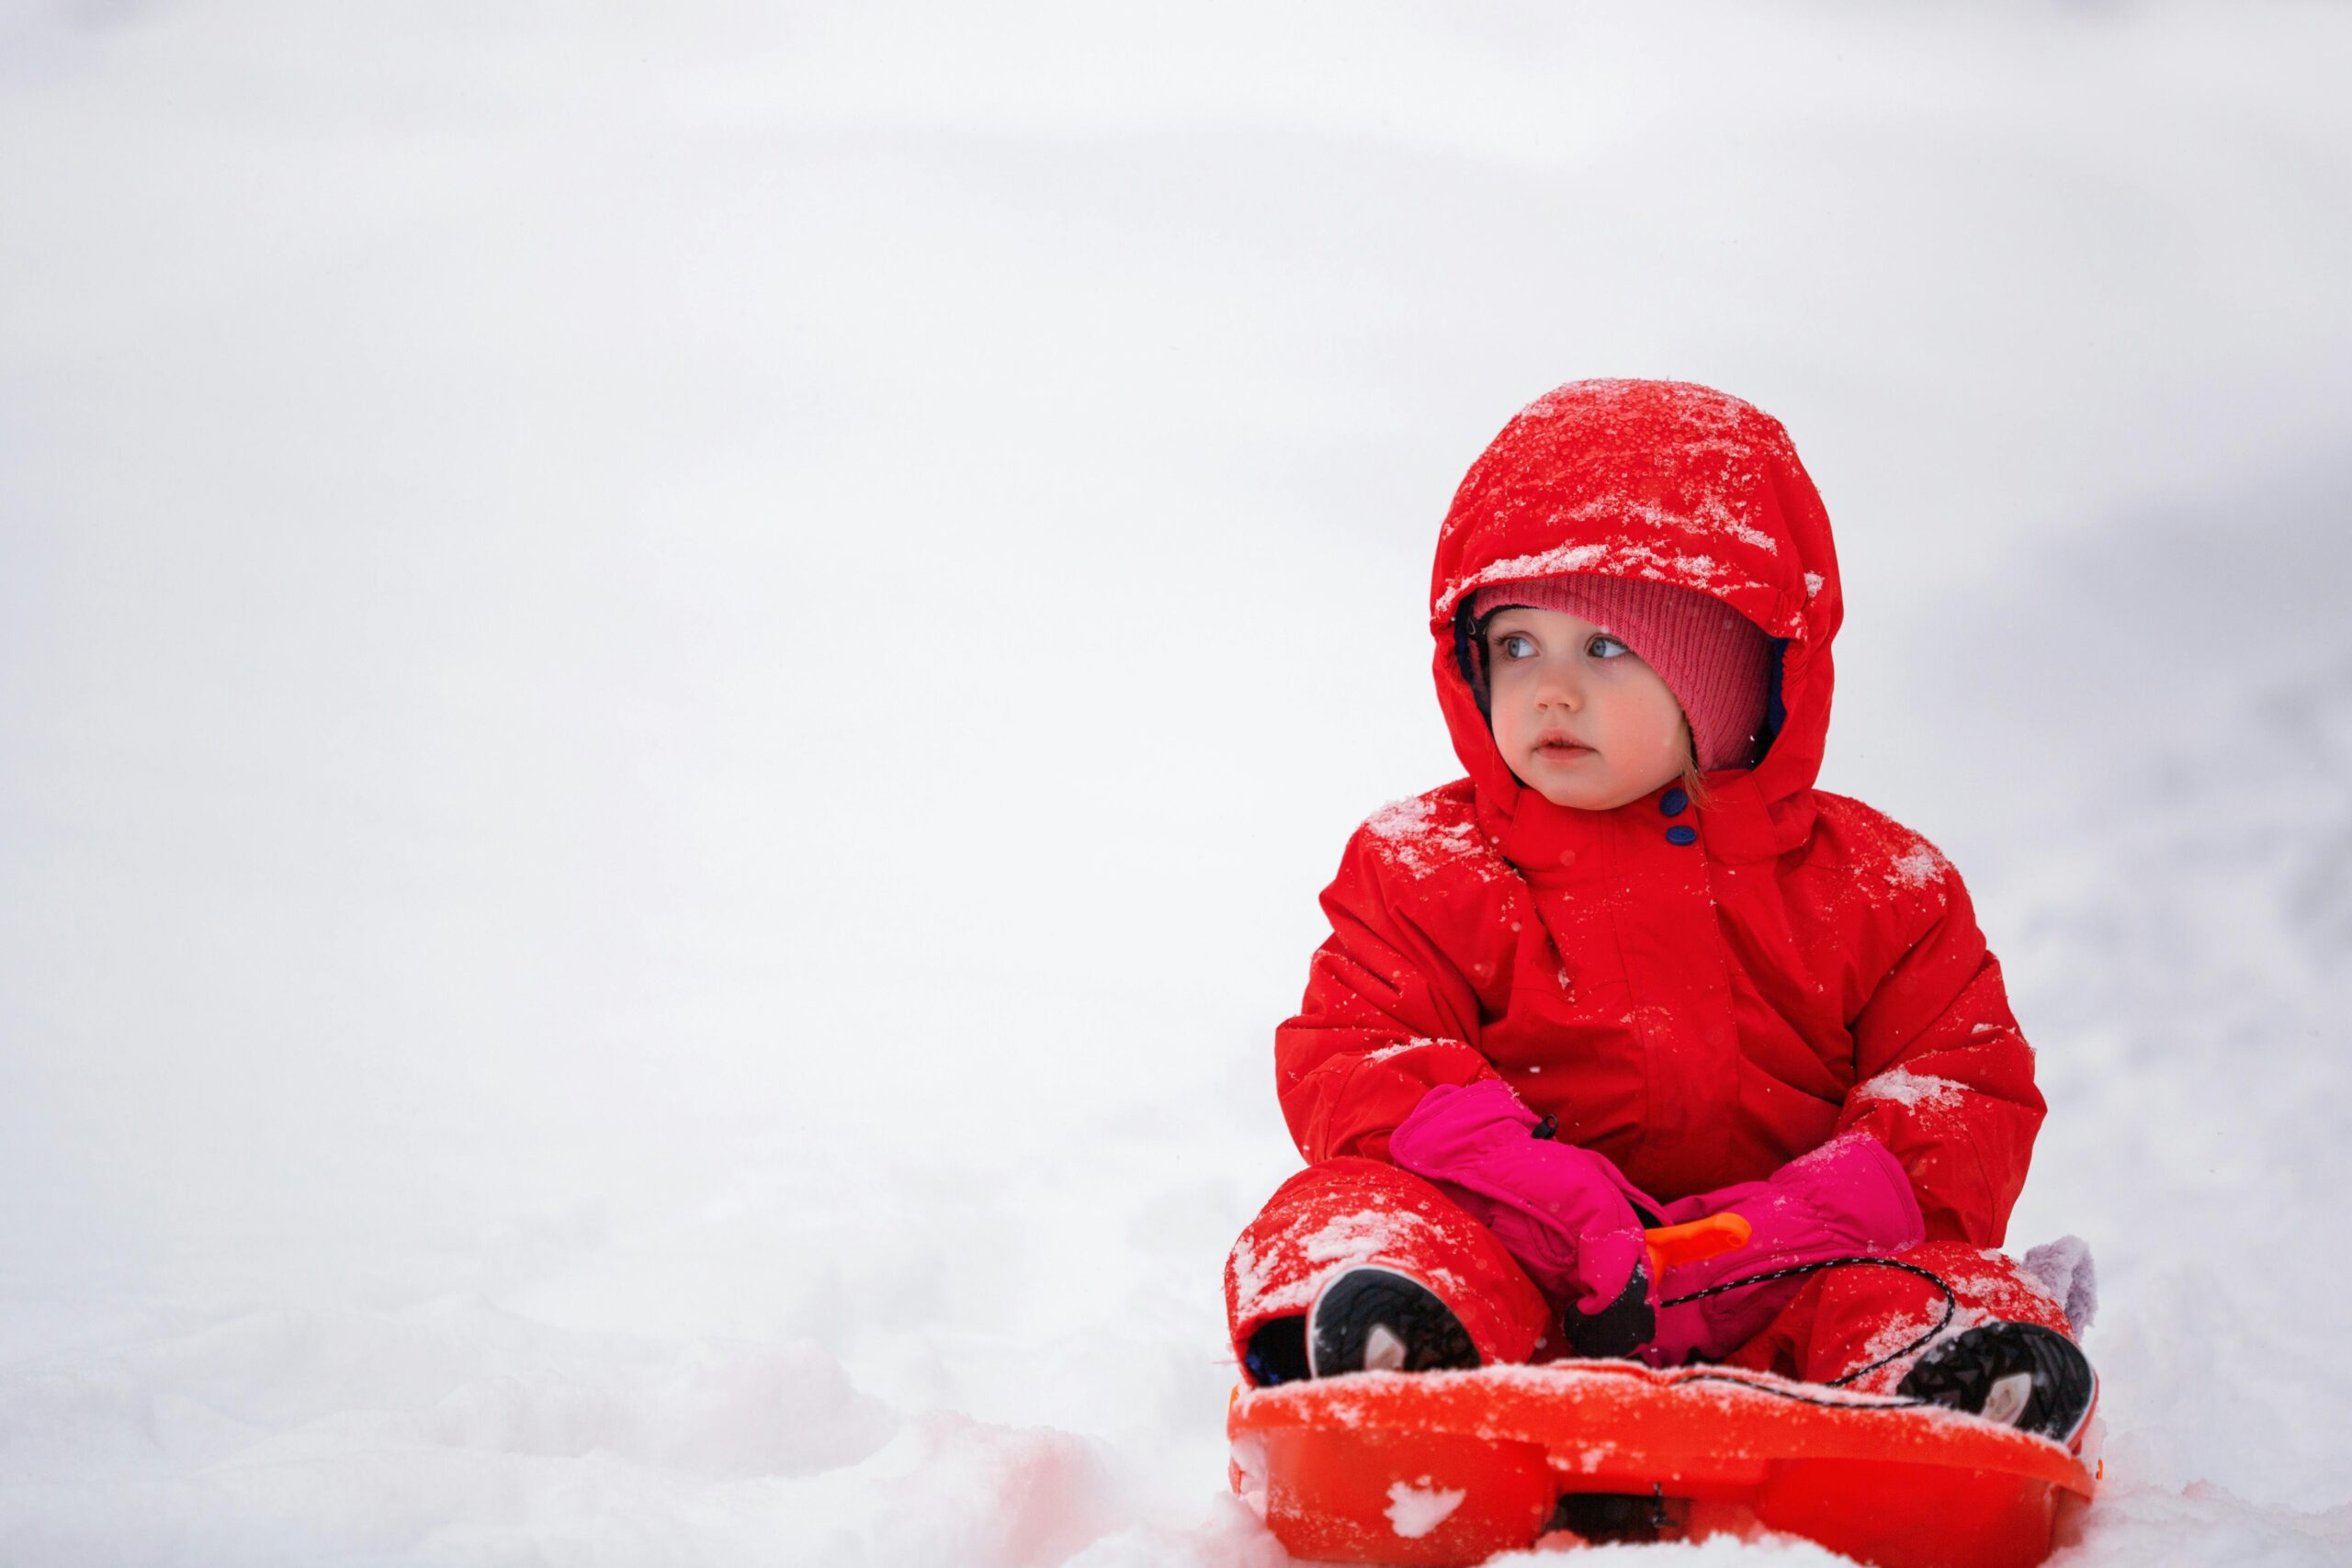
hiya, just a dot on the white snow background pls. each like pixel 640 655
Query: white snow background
pixel 674 682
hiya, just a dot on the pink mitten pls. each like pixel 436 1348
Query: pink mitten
pixel 1849 1198
pixel 1566 1213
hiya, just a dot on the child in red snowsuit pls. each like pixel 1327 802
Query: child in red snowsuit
pixel 1634 969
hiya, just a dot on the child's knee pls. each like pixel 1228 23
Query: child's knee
pixel 1343 1212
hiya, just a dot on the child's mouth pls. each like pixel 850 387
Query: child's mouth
pixel 1561 750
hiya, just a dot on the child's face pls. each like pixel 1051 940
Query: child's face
pixel 1581 720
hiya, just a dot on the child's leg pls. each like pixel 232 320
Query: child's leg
pixel 1343 1212
pixel 1849 1317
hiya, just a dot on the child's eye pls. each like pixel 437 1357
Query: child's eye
pixel 1515 645
pixel 1604 646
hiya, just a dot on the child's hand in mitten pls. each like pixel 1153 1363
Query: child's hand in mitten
pixel 1849 1198
pixel 1567 1214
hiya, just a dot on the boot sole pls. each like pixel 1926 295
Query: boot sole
pixel 1352 1312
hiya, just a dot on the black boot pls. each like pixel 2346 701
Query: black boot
pixel 1277 1353
pixel 1371 1317
pixel 2020 1374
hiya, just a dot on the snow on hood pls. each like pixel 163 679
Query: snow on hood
pixel 1661 479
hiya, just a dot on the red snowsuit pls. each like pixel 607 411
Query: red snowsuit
pixel 1701 1013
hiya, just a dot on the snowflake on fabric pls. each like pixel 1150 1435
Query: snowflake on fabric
pixel 1913 1092
pixel 1285 1275
pixel 1618 556
pixel 1429 833
pixel 1890 863
pixel 1919 867
pixel 1419 1042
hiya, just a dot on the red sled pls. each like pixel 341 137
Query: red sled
pixel 1451 1468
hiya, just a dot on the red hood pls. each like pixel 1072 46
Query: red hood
pixel 1661 479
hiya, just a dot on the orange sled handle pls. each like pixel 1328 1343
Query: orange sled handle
pixel 1670 1247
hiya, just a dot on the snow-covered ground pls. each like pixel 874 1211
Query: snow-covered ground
pixel 674 682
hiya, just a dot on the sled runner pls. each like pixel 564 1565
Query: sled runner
pixel 1450 1468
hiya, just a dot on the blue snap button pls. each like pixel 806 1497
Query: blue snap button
pixel 1682 835
pixel 1672 802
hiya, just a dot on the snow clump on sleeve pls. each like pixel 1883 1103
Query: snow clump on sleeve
pixel 1919 867
pixel 1429 833
pixel 1914 1091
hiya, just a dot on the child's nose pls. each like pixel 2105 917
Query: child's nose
pixel 1559 688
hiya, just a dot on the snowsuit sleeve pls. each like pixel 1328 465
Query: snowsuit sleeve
pixel 1943 1078
pixel 1385 1017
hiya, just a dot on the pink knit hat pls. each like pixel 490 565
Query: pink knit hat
pixel 1716 662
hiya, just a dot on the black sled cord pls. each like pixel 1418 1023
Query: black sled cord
pixel 1952 1308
